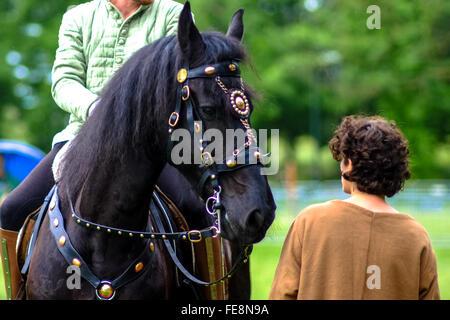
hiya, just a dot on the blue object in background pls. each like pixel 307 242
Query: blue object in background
pixel 19 159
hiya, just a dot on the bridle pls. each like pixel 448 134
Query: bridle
pixel 249 153
pixel 244 156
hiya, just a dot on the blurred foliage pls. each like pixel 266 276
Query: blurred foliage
pixel 312 61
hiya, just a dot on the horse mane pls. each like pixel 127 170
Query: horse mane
pixel 140 94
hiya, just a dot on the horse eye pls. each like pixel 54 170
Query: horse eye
pixel 208 111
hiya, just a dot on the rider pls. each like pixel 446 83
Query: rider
pixel 95 39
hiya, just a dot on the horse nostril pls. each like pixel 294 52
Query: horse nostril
pixel 255 220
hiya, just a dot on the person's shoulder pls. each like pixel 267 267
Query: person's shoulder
pixel 412 227
pixel 318 208
pixel 81 10
pixel 169 5
pixel 90 5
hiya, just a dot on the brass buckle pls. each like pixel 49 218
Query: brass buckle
pixel 173 122
pixel 185 93
pixel 207 159
pixel 197 233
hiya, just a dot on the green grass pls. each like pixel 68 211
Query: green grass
pixel 265 255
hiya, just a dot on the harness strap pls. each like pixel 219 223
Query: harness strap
pixel 191 235
pixel 243 257
pixel 224 69
pixel 72 257
pixel 36 229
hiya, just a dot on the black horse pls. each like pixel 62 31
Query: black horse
pixel 113 164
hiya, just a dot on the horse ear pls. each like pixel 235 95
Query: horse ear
pixel 236 28
pixel 189 38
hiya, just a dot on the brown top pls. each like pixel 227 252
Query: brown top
pixel 338 250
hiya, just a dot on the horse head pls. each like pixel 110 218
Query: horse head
pixel 212 100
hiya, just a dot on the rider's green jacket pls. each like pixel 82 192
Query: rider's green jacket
pixel 94 42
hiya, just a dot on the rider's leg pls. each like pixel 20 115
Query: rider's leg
pixel 23 200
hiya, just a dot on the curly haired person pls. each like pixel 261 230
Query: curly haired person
pixel 361 247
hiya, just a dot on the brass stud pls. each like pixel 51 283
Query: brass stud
pixel 62 240
pixel 55 222
pixel 197 127
pixel 109 230
pixel 231 163
pixel 213 176
pixel 78 221
pixel 141 235
pixel 76 262
pixel 182 75
pixel 52 205
pixel 106 291
pixel 232 67
pixel 130 234
pixel 98 228
pixel 184 237
pixel 119 233
pixel 152 247
pixel 87 225
pixel 163 236
pixel 210 70
pixel 139 266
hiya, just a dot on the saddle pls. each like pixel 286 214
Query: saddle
pixel 210 258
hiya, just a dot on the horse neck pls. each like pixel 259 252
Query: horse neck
pixel 119 195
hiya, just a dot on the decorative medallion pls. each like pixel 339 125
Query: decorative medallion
pixel 105 291
pixel 240 103
pixel 182 75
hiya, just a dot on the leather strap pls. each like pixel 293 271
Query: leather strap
pixel 36 229
pixel 69 253
pixel 243 257
pixel 222 69
pixel 191 235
